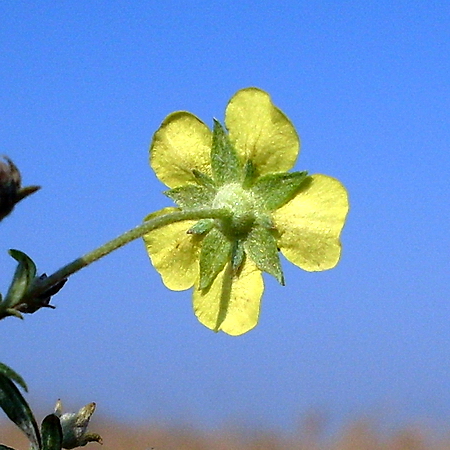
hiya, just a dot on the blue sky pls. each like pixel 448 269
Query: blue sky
pixel 84 85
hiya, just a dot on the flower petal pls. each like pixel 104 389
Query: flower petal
pixel 173 252
pixel 232 303
pixel 181 144
pixel 261 132
pixel 311 223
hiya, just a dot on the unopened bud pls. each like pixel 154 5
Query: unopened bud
pixel 74 426
pixel 11 191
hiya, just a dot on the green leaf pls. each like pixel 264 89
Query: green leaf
pixel 225 163
pixel 262 248
pixel 23 277
pixel 191 196
pixel 18 411
pixel 51 431
pixel 276 189
pixel 4 447
pixel 215 252
pixel 14 376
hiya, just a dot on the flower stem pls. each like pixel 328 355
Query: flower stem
pixel 125 238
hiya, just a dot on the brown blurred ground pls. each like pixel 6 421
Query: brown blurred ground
pixel 358 436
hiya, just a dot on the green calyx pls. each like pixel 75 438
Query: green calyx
pixel 242 208
pixel 247 229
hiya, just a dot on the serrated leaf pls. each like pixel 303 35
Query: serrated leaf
pixel 51 432
pixel 23 277
pixel 276 189
pixel 215 252
pixel 18 411
pixel 225 163
pixel 261 247
pixel 191 196
pixel 14 376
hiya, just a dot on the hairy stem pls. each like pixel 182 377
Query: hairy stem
pixel 120 241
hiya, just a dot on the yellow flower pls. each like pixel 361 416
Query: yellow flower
pixel 267 209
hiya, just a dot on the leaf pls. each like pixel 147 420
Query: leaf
pixel 4 447
pixel 17 410
pixel 276 189
pixel 225 163
pixel 12 375
pixel 51 431
pixel 23 277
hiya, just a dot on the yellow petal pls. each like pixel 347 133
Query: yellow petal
pixel 232 303
pixel 173 252
pixel 261 132
pixel 182 143
pixel 311 223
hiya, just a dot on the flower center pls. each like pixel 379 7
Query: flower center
pixel 241 206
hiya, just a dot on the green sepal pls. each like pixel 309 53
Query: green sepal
pixel 276 189
pixel 203 226
pixel 23 277
pixel 13 375
pixel 191 196
pixel 237 256
pixel 225 164
pixel 225 296
pixel 261 247
pixel 8 312
pixel 18 410
pixel 26 191
pixel 250 174
pixel 204 180
pixel 51 432
pixel 215 252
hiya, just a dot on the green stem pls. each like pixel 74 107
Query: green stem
pixel 120 241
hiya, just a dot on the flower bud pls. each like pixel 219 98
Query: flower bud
pixel 11 191
pixel 74 426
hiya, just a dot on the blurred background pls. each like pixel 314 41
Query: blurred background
pixel 83 87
